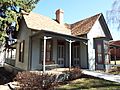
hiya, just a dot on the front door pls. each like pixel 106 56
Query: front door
pixel 76 54
pixel 61 54
pixel 99 56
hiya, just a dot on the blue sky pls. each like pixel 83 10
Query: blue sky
pixel 75 10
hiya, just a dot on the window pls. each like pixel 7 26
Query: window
pixel 21 51
pixel 99 53
pixel 41 50
pixel 61 49
pixel 106 51
pixel 48 50
pixel 61 52
pixel 76 53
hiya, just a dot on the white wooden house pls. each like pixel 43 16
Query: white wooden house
pixel 43 41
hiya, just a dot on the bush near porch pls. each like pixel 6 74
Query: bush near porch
pixel 73 73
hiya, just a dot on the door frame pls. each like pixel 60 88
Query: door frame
pixel 102 61
pixel 78 45
pixel 99 65
pixel 61 42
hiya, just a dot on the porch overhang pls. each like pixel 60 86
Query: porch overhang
pixel 50 35
pixel 47 33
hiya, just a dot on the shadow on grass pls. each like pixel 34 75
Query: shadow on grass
pixel 90 82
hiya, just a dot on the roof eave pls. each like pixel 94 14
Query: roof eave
pixel 59 34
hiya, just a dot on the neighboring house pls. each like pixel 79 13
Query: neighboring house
pixel 10 54
pixel 7 54
pixel 43 41
pixel 115 50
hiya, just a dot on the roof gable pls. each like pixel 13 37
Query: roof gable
pixel 83 26
pixel 40 22
pixel 105 27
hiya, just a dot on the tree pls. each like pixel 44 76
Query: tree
pixel 10 13
pixel 113 15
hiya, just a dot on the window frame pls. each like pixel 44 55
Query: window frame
pixel 99 54
pixel 21 51
pixel 47 50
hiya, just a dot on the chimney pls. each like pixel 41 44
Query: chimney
pixel 59 16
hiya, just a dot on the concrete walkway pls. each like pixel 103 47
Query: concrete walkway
pixel 110 77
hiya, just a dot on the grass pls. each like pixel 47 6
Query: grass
pixel 91 83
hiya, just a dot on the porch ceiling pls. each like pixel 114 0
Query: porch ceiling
pixel 43 33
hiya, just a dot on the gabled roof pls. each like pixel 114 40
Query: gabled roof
pixel 40 22
pixel 84 26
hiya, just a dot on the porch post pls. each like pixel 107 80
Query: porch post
pixel 11 54
pixel 8 53
pixel 70 45
pixel 115 54
pixel 44 55
pixel 70 42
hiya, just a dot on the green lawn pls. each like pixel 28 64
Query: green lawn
pixel 91 83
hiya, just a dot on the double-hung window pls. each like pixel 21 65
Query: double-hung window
pixel 21 51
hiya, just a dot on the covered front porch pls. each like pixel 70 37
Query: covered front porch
pixel 50 49
pixel 10 54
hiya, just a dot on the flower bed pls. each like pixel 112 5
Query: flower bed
pixel 32 81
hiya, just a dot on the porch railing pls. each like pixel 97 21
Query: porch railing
pixel 49 65
pixel 10 61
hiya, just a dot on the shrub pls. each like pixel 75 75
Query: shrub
pixel 31 81
pixel 74 73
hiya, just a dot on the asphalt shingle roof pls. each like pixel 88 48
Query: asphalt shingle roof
pixel 39 22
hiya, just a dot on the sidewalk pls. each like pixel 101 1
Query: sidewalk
pixel 110 77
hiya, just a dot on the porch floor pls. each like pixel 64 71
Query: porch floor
pixel 57 70
pixel 53 71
